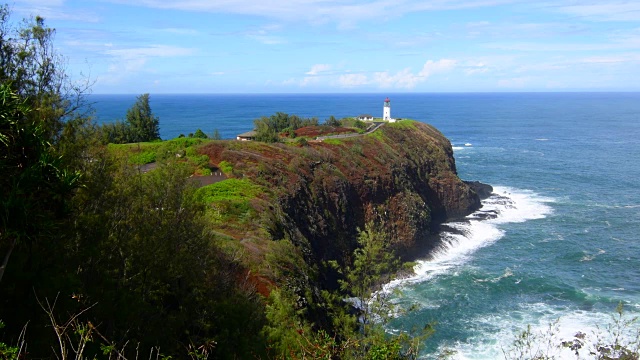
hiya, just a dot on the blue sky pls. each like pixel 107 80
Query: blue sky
pixel 312 46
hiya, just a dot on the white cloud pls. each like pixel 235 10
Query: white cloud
pixel 132 60
pixel 54 10
pixel 403 79
pixel 181 31
pixel 317 69
pixel 151 51
pixel 610 59
pixel 604 10
pixel 346 13
pixel 563 47
pixel 432 67
pixel 265 35
pixel 476 68
pixel 353 80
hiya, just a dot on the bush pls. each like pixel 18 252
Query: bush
pixel 226 167
pixel 302 142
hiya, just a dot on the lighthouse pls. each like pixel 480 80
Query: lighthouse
pixel 386 110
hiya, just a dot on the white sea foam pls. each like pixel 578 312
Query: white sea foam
pixel 547 323
pixel 457 148
pixel 480 229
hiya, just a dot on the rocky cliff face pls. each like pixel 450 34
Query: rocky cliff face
pixel 402 178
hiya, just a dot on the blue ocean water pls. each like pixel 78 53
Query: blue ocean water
pixel 566 242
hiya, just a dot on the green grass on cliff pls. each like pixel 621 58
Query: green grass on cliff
pixel 333 141
pixel 181 149
pixel 228 201
pixel 228 190
pixel 403 124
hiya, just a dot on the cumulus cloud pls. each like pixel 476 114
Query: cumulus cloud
pixel 352 80
pixel 403 79
pixel 476 68
pixel 432 67
pixel 317 69
pixel 131 60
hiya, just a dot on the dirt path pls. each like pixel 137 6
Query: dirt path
pixel 375 126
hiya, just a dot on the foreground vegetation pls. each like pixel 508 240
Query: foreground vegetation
pixel 104 259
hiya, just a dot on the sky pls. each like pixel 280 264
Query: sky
pixel 345 46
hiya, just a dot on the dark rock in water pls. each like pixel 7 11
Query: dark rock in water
pixel 483 190
pixel 486 215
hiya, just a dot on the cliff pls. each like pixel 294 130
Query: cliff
pixel 402 178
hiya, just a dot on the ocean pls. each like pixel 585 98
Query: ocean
pixel 565 245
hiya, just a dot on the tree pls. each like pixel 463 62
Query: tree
pixel 373 265
pixel 332 121
pixel 139 126
pixel 200 134
pixel 144 125
pixel 34 184
pixel 31 66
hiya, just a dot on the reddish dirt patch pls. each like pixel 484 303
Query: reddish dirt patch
pixel 313 131
pixel 214 151
pixel 262 284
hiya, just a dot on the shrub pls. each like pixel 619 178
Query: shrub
pixel 226 167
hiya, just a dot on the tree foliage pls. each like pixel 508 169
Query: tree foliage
pixel 200 134
pixel 268 129
pixel 35 183
pixel 34 70
pixel 141 125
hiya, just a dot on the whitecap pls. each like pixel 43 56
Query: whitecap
pixel 480 229
pixel 548 325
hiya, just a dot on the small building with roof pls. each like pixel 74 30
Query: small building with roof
pixel 247 136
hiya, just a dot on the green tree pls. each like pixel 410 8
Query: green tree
pixel 332 121
pixel 216 135
pixel 374 264
pixel 145 126
pixel 35 184
pixel 200 134
pixel 31 66
pixel 268 129
pixel 140 125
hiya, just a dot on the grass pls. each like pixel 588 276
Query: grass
pixel 149 152
pixel 403 124
pixel 378 134
pixel 229 190
pixel 333 141
pixel 228 201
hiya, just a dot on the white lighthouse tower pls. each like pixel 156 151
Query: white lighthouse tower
pixel 386 110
